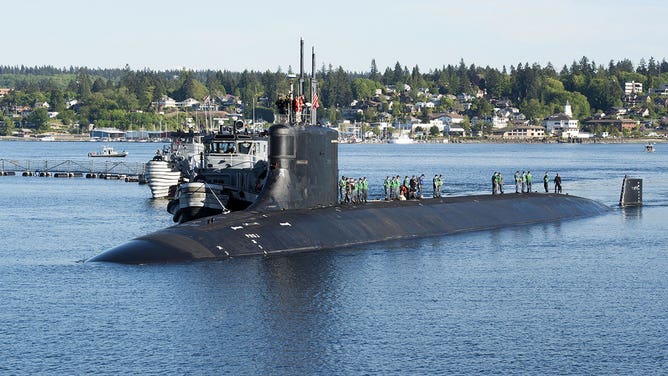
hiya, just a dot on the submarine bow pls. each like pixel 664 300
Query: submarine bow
pixel 297 211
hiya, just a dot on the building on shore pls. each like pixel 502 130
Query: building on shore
pixel 563 124
pixel 618 124
pixel 520 132
pixel 111 134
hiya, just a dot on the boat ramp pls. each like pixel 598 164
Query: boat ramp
pixel 70 168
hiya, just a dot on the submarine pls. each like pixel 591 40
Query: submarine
pixel 297 210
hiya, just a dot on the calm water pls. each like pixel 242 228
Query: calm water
pixel 579 297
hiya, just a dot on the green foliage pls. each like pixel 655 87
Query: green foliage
pixel 264 113
pixel 481 107
pixel 190 87
pixel 364 88
pixel 6 126
pixel 632 76
pixel 124 98
pixel 603 93
pixel 337 89
pixel 39 119
pixel 533 109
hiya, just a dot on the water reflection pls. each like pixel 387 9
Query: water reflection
pixel 631 213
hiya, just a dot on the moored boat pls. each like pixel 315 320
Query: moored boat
pixel 173 164
pixel 108 152
pixel 403 139
pixel 229 178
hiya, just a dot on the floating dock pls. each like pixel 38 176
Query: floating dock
pixel 70 168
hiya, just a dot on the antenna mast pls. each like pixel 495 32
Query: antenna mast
pixel 300 89
pixel 314 86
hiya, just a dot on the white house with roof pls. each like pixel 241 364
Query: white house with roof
pixel 562 124
pixel 451 119
pixel 166 102
pixel 499 121
pixel 190 102
pixel 426 127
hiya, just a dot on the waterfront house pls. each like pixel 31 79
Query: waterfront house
pixel 426 127
pixel 165 102
pixel 562 124
pixel 188 103
pixel 450 118
pixel 520 132
pixel 453 130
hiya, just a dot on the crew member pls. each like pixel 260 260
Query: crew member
pixel 557 184
pixel 495 185
pixel 524 181
pixel 499 182
pixel 365 189
pixel 386 186
pixel 529 181
pixel 412 187
pixel 395 186
pixel 546 180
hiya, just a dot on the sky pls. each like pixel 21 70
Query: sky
pixel 264 34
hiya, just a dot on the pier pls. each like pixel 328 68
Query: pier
pixel 71 168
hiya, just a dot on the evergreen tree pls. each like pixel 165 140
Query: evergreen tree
pixel 373 73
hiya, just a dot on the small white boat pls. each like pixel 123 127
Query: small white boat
pixel 108 152
pixel 649 148
pixel 402 140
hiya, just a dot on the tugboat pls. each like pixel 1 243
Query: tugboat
pixel 231 173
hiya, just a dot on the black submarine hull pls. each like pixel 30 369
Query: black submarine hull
pixel 297 211
pixel 252 232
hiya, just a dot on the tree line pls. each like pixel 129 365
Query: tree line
pixel 124 98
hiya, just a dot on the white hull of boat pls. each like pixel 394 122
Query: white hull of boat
pixel 160 178
pixel 401 140
pixel 199 195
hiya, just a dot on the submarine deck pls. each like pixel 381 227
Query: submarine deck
pixel 268 233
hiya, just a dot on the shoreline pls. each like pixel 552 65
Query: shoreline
pixel 618 140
